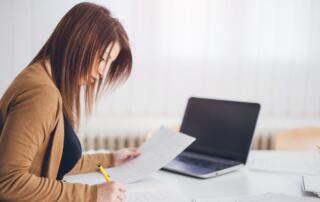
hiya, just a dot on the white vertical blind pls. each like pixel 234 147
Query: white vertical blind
pixel 250 50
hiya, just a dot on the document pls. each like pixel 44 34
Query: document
pixel 311 184
pixel 301 163
pixel 147 190
pixel 156 152
pixel 151 190
pixel 210 199
pixel 267 197
pixel 277 198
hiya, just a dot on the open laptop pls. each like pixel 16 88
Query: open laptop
pixel 224 130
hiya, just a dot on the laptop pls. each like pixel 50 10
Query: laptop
pixel 223 131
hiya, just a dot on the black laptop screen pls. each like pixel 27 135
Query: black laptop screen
pixel 222 128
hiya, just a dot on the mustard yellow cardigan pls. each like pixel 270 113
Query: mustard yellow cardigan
pixel 31 143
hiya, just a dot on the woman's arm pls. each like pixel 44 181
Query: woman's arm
pixel 88 163
pixel 25 129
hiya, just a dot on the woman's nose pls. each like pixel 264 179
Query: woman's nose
pixel 101 72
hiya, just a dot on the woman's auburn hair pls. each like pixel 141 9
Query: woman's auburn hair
pixel 76 46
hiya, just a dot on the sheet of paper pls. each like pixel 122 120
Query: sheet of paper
pixel 267 197
pixel 151 190
pixel 156 152
pixel 276 198
pixel 311 183
pixel 287 162
pixel 147 190
pixel 210 199
pixel 161 195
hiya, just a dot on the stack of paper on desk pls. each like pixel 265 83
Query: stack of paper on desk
pixel 311 184
pixel 307 163
pixel 277 198
pixel 267 197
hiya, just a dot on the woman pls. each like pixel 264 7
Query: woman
pixel 88 50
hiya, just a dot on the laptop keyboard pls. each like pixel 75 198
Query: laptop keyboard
pixel 202 162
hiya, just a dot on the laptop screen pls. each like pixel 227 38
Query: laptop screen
pixel 222 128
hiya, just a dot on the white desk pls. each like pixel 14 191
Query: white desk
pixel 240 183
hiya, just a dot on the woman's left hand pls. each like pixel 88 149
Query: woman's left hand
pixel 123 155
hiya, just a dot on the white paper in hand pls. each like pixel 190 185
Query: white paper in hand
pixel 156 152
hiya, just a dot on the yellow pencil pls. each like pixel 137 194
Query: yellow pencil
pixel 104 173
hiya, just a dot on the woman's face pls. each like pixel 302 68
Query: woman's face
pixel 102 65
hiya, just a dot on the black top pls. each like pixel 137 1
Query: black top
pixel 71 150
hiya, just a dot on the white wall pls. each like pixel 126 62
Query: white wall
pixel 250 50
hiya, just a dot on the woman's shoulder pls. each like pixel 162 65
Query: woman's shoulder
pixel 33 81
pixel 35 75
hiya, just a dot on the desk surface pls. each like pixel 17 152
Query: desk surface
pixel 243 182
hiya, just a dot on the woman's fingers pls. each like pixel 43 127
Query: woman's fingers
pixel 134 152
pixel 118 200
pixel 111 191
pixel 121 196
pixel 126 154
pixel 131 153
pixel 120 187
pixel 121 192
pixel 123 188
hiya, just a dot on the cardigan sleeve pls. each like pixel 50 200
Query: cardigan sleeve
pixel 25 128
pixel 88 163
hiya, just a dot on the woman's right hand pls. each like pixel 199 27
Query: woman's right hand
pixel 111 192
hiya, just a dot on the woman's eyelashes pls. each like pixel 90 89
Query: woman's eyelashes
pixel 105 63
pixel 105 59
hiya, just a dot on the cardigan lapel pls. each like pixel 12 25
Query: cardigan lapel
pixel 55 148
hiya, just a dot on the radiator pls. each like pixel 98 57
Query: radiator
pixel 113 141
pixel 263 141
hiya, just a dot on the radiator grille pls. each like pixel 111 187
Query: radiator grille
pixel 261 140
pixel 111 141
